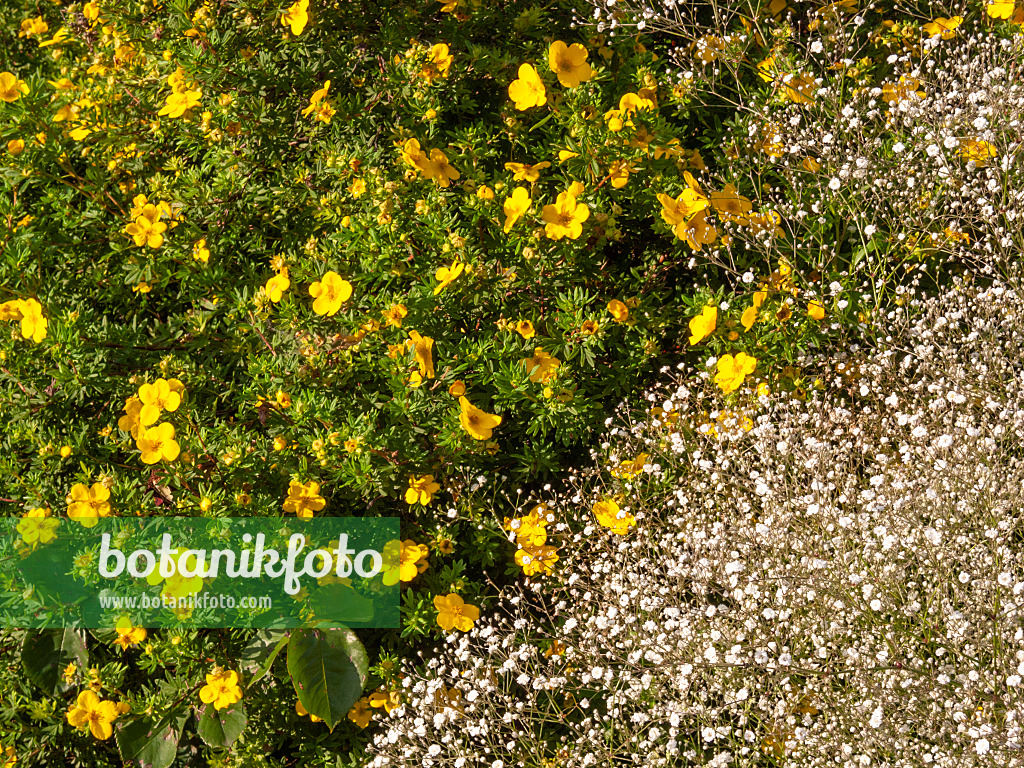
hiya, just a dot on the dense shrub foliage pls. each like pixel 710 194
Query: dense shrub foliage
pixel 406 260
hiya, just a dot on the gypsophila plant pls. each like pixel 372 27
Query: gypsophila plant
pixel 838 583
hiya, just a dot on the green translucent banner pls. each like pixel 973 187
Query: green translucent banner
pixel 199 572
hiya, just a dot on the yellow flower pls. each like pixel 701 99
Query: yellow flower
pixel 127 633
pixel 358 188
pixel 158 443
pixel 525 329
pixel 394 314
pixel 87 504
pixel 361 714
pixel 945 27
pixel 33 324
pixel 748 317
pixel 610 516
pixel 11 88
pixel 618 311
pixel 69 673
pixel 697 232
pixel 404 561
pixel 421 489
pixel 436 167
pixel 445 275
pixel 484 192
pixel 978 151
pixel 304 498
pixel 534 560
pixel 565 154
pixel 815 311
pixel 457 389
pixel 89 711
pixel 318 96
pixel 424 353
pixel 15 146
pixel 454 613
pixel 732 371
pixel 330 292
pixel 146 228
pixel 221 689
pixel 296 17
pixel 530 530
pixel 703 325
pixel 542 367
pixel 515 207
pixel 155 398
pixel 37 527
pixel 528 91
pixel 569 63
pixel 179 103
pixel 679 211
pixel 708 48
pixel 565 218
pixel 526 172
pixel 731 206
pixel 997 10
pixel 619 172
pixel 589 327
pixel 439 61
pixel 199 250
pixel 277 285
pixel 33 27
pixel 479 424
pixel 383 698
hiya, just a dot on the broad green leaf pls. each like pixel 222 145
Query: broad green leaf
pixel 47 652
pixel 328 668
pixel 150 743
pixel 222 727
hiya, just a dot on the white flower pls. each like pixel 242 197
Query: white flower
pixel 835 183
pixel 876 718
pixel 981 746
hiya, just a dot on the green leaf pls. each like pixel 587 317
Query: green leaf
pixel 328 668
pixel 47 652
pixel 148 743
pixel 338 603
pixel 222 727
pixel 258 656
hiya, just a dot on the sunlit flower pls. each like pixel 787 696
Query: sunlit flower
pixel 454 613
pixel 946 27
pixel 515 207
pixel 330 292
pixel 179 103
pixel 618 310
pixel 703 325
pixel 37 527
pixel 732 370
pixel 304 498
pixel 569 63
pixel 611 517
pixel 361 713
pixel 525 329
pixel 11 88
pixel 127 633
pixel 438 63
pixel 296 18
pixel 565 218
pixel 478 423
pixel 277 285
pixel 89 712
pixel 445 275
pixel 424 347
pixel 87 504
pixel 221 689
pixel 421 490
pixel 158 444
pixel 528 91
pixel 542 367
pixel 815 311
pixel 526 172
